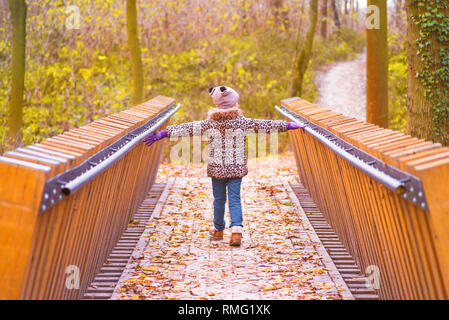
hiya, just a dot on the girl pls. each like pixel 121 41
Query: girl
pixel 226 129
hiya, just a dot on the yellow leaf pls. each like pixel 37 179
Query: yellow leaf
pixel 151 269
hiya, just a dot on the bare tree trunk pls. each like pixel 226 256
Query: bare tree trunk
pixel 280 16
pixel 377 69
pixel 351 12
pixel 428 87
pixel 324 5
pixel 336 15
pixel 276 7
pixel 298 35
pixel 304 57
pixel 285 19
pixel 134 47
pixel 18 9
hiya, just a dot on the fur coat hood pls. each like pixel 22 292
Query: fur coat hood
pixel 220 114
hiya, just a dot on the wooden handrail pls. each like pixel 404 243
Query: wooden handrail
pixel 382 229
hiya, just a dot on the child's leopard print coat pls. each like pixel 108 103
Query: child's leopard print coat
pixel 226 131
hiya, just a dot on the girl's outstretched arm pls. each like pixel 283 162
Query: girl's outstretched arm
pixel 152 138
pixel 294 125
pixel 271 125
pixel 266 125
pixel 187 129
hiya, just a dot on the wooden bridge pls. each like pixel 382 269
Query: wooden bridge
pixel 374 201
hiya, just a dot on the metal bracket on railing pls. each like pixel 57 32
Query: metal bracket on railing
pixel 71 180
pixel 402 183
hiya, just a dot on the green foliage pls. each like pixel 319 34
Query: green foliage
pixel 341 46
pixel 77 76
pixel 258 65
pixel 70 80
pixel 397 82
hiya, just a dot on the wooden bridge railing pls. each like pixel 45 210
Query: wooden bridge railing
pixel 51 245
pixel 392 221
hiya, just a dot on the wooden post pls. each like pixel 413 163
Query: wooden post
pixel 21 186
pixel 434 177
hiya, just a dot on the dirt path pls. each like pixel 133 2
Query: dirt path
pixel 278 259
pixel 342 87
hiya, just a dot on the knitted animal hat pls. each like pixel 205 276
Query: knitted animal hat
pixel 224 97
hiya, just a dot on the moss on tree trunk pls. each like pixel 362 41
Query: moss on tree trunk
pixel 428 70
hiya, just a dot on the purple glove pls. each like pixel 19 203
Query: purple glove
pixel 155 137
pixel 294 125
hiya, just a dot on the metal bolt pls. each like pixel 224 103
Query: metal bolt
pixel 46 196
pixel 54 191
pixel 412 189
pixel 420 194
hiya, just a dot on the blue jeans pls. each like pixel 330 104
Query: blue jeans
pixel 235 207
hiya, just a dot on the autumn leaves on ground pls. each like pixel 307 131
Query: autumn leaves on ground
pixel 277 260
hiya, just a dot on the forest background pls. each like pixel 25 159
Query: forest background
pixel 77 74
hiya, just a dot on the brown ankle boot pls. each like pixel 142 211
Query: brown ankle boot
pixel 216 234
pixel 236 237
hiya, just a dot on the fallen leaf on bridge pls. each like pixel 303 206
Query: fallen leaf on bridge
pixel 277 259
